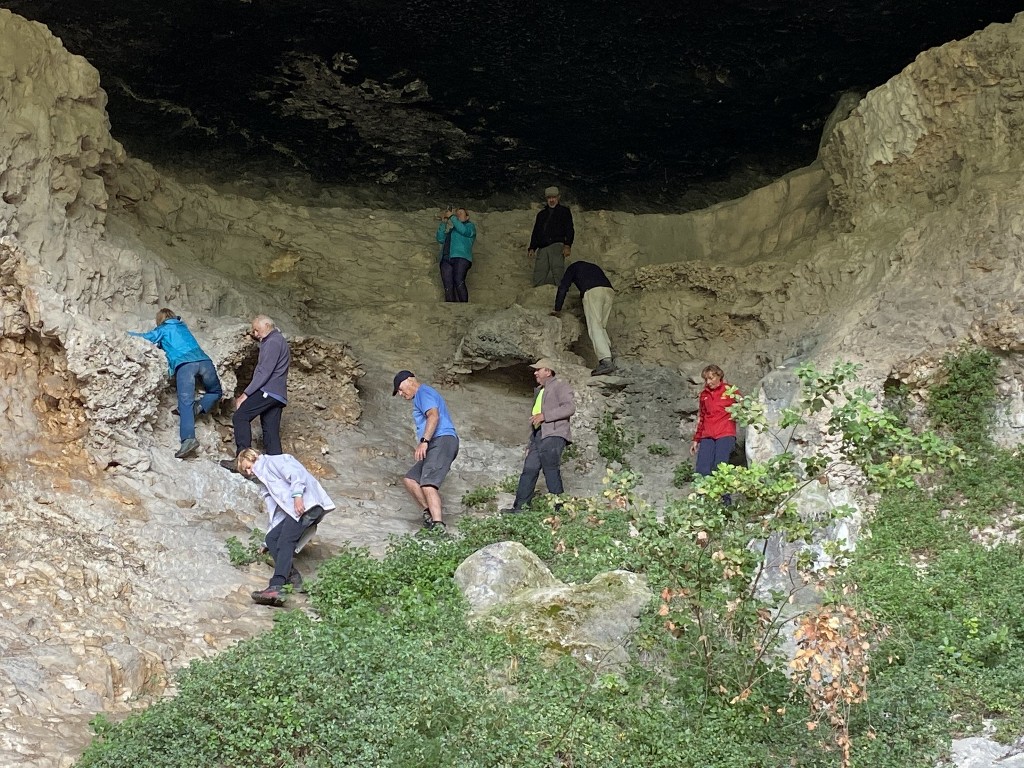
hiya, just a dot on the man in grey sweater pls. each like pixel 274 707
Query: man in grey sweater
pixel 267 393
pixel 553 405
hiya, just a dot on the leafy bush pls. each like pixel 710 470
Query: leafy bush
pixel 658 449
pixel 683 474
pixel 613 440
pixel 963 403
pixel 243 554
pixel 478 497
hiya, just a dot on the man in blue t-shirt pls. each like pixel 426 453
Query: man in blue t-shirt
pixel 436 448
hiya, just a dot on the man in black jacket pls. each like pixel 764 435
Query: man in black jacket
pixel 597 294
pixel 551 240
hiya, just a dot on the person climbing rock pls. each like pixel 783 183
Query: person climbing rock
pixel 187 364
pixel 715 436
pixel 597 294
pixel 267 393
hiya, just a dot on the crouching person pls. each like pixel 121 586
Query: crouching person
pixel 295 503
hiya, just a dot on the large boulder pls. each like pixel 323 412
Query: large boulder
pixel 509 588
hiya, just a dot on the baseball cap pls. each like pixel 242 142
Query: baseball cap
pixel 400 377
pixel 544 362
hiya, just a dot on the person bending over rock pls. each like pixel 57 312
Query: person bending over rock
pixel 267 393
pixel 436 448
pixel 553 405
pixel 597 294
pixel 295 503
pixel 715 436
pixel 187 364
pixel 456 234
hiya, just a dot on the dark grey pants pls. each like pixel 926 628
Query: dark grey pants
pixel 542 454
pixel 282 539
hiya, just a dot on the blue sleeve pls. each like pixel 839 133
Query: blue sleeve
pixel 466 229
pixel 427 399
pixel 153 336
pixel 441 231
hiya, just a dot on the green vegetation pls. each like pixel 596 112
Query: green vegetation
pixel 613 440
pixel 658 449
pixel 683 474
pixel 479 497
pixel 921 625
pixel 241 554
pixel 963 403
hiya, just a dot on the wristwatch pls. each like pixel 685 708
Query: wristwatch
pixel 424 440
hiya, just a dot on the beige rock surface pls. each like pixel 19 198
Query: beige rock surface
pixel 905 241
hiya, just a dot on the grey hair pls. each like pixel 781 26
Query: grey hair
pixel 264 320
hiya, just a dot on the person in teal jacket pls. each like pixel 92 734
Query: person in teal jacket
pixel 186 363
pixel 456 234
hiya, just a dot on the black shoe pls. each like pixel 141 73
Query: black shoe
pixel 273 596
pixel 231 465
pixel 188 447
pixel 512 511
pixel 426 518
pixel 295 579
pixel 436 526
pixel 197 408
pixel 603 367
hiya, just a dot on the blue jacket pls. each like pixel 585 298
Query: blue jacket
pixel 463 235
pixel 177 342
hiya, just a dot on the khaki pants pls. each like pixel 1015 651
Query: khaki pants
pixel 549 265
pixel 597 306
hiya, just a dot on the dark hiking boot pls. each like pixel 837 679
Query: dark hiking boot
pixel 295 579
pixel 603 367
pixel 426 518
pixel 231 465
pixel 197 408
pixel 272 596
pixel 511 511
pixel 188 447
pixel 436 526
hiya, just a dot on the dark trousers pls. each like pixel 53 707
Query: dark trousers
pixel 281 543
pixel 453 278
pixel 542 454
pixel 713 451
pixel 269 411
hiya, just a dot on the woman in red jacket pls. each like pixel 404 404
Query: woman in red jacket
pixel 716 430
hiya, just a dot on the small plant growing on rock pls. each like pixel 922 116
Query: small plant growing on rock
pixel 658 449
pixel 613 440
pixel 478 497
pixel 682 475
pixel 241 554
pixel 963 403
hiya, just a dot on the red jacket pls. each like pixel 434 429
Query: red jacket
pixel 712 419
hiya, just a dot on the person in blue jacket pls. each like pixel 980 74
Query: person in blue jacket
pixel 456 234
pixel 187 363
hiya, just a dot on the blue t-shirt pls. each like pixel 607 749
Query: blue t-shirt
pixel 425 399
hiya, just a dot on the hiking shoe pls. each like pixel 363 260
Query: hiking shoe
pixel 436 526
pixel 295 579
pixel 197 408
pixel 511 511
pixel 426 518
pixel 188 447
pixel 603 367
pixel 231 465
pixel 273 596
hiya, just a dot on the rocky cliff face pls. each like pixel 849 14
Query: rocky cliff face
pixel 903 242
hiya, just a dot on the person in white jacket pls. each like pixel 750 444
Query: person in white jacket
pixel 295 503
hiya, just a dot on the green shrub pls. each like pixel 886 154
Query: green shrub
pixel 963 402
pixel 571 452
pixel 658 449
pixel 243 554
pixel 683 474
pixel 613 440
pixel 478 497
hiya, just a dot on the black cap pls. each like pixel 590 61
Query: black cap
pixel 400 377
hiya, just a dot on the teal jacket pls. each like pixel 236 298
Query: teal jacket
pixel 177 342
pixel 463 235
